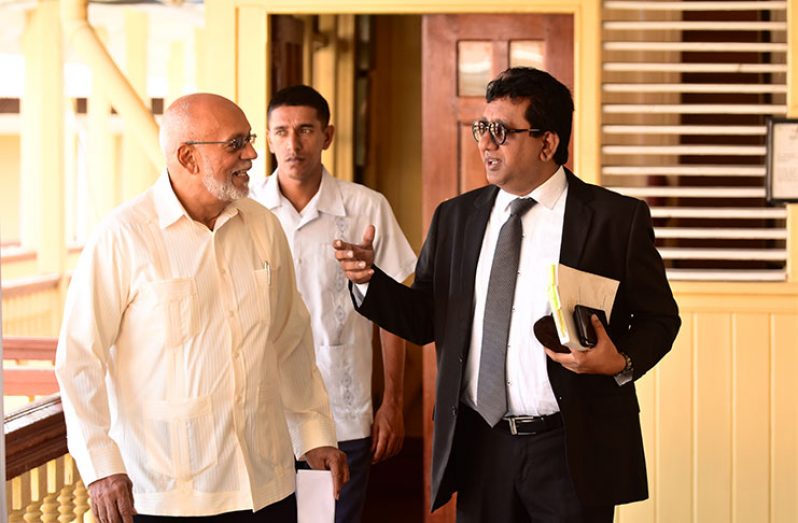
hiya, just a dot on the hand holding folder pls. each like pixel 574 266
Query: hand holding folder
pixel 569 287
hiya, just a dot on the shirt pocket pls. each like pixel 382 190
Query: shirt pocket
pixel 176 309
pixel 179 437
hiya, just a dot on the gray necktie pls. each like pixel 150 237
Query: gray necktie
pixel 491 387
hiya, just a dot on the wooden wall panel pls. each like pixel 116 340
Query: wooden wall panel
pixel 673 487
pixel 750 416
pixel 712 417
pixel 783 428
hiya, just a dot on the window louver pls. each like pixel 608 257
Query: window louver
pixel 687 90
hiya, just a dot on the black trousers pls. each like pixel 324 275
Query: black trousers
pixel 516 479
pixel 284 511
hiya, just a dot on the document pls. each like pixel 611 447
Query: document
pixel 315 501
pixel 569 287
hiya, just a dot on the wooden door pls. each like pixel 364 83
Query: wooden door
pixel 460 54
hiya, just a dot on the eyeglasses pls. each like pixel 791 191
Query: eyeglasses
pixel 234 145
pixel 497 130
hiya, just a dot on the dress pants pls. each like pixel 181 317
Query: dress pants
pixel 515 479
pixel 283 511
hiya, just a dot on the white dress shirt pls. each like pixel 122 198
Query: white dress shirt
pixel 186 360
pixel 339 210
pixel 529 392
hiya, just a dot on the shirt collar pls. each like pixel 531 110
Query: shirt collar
pixel 167 205
pixel 328 198
pixel 170 210
pixel 546 194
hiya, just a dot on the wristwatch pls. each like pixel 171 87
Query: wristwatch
pixel 627 369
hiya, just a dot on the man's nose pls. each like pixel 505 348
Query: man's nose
pixel 486 142
pixel 249 152
pixel 294 141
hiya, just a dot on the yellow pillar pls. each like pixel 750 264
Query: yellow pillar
pixel 308 41
pixel 343 105
pixel 176 70
pixel 42 139
pixel 254 82
pixel 324 79
pixel 102 174
pixel 792 112
pixel 217 49
pixel 137 172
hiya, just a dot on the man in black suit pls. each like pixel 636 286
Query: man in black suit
pixel 567 444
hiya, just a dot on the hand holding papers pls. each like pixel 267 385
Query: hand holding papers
pixel 569 287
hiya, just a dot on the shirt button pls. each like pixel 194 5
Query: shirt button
pixel 239 398
pixel 230 313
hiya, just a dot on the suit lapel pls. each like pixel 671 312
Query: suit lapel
pixel 576 222
pixel 476 223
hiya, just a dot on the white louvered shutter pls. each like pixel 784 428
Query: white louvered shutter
pixel 687 90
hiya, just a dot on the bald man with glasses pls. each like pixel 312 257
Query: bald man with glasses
pixel 185 358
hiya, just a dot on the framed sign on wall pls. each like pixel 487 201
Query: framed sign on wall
pixel 782 161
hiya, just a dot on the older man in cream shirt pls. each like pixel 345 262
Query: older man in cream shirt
pixel 186 359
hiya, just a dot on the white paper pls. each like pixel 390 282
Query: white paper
pixel 315 501
pixel 570 287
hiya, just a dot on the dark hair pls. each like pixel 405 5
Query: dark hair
pixel 301 95
pixel 550 108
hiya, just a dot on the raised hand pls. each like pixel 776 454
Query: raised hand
pixel 356 260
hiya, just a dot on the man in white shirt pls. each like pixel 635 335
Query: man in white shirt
pixel 313 207
pixel 185 358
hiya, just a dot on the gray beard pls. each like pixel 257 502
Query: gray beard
pixel 223 191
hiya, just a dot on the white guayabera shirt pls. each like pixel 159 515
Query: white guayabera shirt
pixel 186 359
pixel 339 210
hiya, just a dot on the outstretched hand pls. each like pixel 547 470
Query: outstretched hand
pixel 604 358
pixel 357 260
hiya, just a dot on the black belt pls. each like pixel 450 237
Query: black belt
pixel 530 425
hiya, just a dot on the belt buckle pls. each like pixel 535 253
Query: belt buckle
pixel 514 428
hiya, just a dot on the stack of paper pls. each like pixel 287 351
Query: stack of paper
pixel 569 287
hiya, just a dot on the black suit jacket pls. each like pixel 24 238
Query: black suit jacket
pixel 604 233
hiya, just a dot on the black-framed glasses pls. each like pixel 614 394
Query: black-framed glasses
pixel 236 144
pixel 498 131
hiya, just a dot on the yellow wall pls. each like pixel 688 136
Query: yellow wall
pixel 9 194
pixel 719 413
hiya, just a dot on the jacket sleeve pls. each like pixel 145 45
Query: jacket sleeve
pixel 408 312
pixel 655 315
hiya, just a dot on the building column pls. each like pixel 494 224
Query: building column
pixel 102 174
pixel 42 139
pixel 137 173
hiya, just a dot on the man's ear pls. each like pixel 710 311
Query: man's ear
pixel 329 132
pixel 186 156
pixel 551 141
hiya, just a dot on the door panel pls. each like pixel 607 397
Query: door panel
pixel 460 53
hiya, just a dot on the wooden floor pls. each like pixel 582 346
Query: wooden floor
pixel 396 488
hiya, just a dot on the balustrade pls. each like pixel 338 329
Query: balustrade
pixel 43 482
